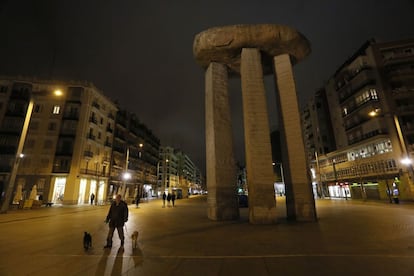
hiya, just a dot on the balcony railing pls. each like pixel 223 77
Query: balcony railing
pixel 93 120
pixel 88 154
pixel 94 172
pixel 71 116
pixel 64 152
pixel 91 136
pixel 96 105
pixel 367 135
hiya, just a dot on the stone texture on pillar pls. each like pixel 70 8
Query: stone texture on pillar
pixel 302 203
pixel 221 168
pixel 260 176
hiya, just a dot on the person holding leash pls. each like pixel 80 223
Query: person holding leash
pixel 117 216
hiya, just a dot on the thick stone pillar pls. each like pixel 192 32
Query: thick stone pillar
pixel 260 177
pixel 300 201
pixel 221 167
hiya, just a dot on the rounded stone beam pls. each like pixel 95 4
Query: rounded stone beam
pixel 224 44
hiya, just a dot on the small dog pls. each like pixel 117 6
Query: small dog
pixel 134 238
pixel 87 241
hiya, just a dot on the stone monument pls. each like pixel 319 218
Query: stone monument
pixel 253 51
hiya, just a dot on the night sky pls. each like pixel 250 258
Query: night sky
pixel 140 52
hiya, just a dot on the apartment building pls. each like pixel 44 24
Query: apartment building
pixel 177 172
pixel 67 150
pixel 168 168
pixel 371 113
pixel 134 158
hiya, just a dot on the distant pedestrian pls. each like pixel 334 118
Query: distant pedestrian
pixel 164 196
pixel 92 198
pixel 173 198
pixel 117 216
pixel 137 199
pixel 169 199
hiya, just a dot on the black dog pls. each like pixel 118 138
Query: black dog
pixel 87 241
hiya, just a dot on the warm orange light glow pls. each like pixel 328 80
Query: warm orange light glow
pixel 58 92
pixel 374 112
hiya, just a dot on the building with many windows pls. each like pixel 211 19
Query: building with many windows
pixel 67 150
pixel 371 113
pixel 177 172
pixel 134 159
pixel 78 144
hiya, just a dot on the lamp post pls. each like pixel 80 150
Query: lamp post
pixel 405 159
pixel 19 153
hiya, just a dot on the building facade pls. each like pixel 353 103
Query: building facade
pixel 371 111
pixel 67 149
pixel 177 172
pixel 134 159
pixel 77 144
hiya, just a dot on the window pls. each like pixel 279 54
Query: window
pixel 56 109
pixel 37 108
pixel 52 126
pixel 48 144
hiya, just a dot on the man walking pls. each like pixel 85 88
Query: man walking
pixel 117 216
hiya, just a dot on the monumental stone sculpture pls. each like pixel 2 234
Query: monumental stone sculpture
pixel 253 51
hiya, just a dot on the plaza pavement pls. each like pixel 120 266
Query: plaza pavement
pixel 349 238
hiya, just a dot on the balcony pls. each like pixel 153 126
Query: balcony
pixel 68 132
pixel 94 172
pixel 64 152
pixel 106 160
pixel 108 144
pixel 71 116
pixel 367 136
pixel 96 105
pixel 92 119
pixel 364 78
pixel 91 136
pixel 88 154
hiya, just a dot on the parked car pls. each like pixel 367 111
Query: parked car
pixel 243 200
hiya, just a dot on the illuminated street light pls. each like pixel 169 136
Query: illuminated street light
pixel 126 176
pixel 405 158
pixel 19 153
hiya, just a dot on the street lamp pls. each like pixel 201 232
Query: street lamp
pixel 141 187
pixel 19 153
pixel 405 159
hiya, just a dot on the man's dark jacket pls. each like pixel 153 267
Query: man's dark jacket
pixel 118 214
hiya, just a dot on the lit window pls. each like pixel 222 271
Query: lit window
pixel 56 109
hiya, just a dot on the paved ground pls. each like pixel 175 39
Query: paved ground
pixel 350 238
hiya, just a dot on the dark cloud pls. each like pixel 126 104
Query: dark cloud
pixel 140 52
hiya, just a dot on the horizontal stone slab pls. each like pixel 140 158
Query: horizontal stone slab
pixel 224 44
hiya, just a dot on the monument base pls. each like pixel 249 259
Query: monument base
pixel 262 215
pixel 223 213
